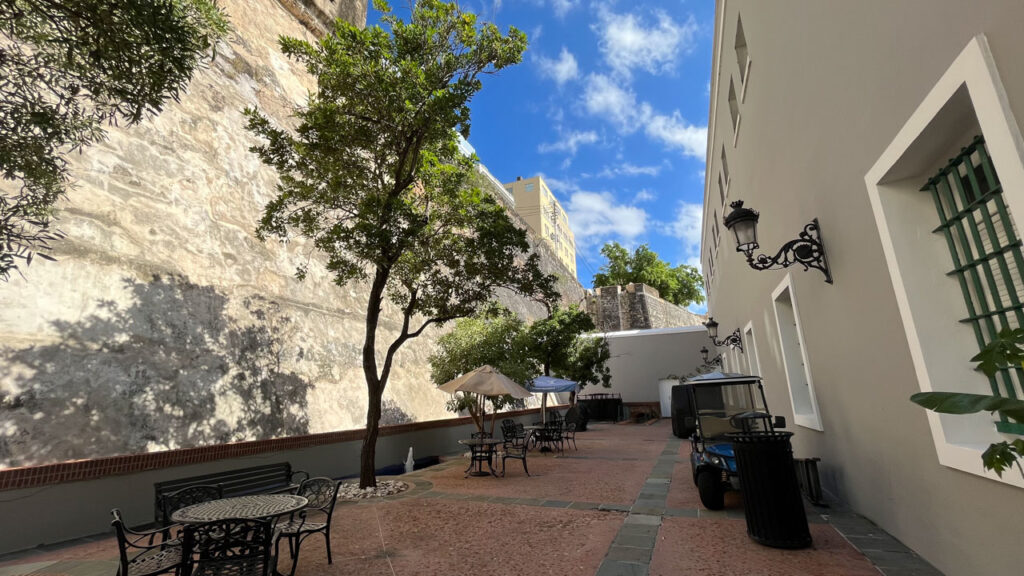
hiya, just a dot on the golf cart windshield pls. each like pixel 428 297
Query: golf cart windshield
pixel 716 405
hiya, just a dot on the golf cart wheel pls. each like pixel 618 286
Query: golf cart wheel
pixel 711 489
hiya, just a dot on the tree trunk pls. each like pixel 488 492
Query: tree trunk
pixel 374 385
pixel 368 455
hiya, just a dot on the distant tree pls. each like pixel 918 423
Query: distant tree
pixel 558 345
pixel 373 178
pixel 493 336
pixel 680 285
pixel 66 69
pixel 587 363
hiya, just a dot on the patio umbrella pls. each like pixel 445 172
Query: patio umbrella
pixel 485 381
pixel 547 385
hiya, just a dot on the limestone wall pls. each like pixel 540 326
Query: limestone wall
pixel 166 323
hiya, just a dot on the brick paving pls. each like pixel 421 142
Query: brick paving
pixel 623 504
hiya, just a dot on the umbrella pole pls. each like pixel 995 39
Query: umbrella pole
pixel 544 407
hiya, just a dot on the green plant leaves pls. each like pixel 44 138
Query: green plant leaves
pixel 961 403
pixel 999 457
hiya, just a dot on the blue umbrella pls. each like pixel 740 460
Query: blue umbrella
pixel 548 385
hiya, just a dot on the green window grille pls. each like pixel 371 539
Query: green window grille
pixel 986 252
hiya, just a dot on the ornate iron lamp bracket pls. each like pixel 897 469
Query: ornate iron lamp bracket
pixel 732 340
pixel 806 250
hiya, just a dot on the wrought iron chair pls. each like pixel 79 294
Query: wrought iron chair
pixel 232 547
pixel 513 433
pixel 569 434
pixel 174 501
pixel 322 494
pixel 551 435
pixel 514 450
pixel 139 559
pixel 481 435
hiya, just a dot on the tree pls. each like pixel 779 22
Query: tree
pixel 558 345
pixel 66 69
pixel 373 179
pixel 493 336
pixel 1003 352
pixel 680 285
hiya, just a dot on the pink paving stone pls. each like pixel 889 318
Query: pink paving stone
pixel 442 537
pixel 721 547
pixel 682 492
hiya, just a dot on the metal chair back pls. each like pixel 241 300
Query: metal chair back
pixel 236 546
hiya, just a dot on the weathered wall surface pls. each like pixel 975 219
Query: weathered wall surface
pixel 636 307
pixel 166 323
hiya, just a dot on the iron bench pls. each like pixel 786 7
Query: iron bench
pixel 264 479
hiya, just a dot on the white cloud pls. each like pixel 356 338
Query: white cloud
pixel 628 43
pixel 596 216
pixel 604 97
pixel 675 132
pixel 561 70
pixel 644 196
pixel 628 169
pixel 562 7
pixel 569 142
pixel 687 227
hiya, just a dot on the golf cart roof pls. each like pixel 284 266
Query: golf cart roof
pixel 720 378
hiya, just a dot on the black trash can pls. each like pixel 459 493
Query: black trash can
pixel 771 495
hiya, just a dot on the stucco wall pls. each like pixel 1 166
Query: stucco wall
pixel 829 86
pixel 166 323
pixel 639 358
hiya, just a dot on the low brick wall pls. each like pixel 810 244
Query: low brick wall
pixel 59 502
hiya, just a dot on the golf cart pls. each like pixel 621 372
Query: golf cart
pixel 712 406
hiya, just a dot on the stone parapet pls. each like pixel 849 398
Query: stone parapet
pixel 635 307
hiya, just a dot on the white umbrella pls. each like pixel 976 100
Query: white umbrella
pixel 486 381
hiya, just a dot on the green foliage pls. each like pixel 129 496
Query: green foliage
pixel 680 285
pixel 70 67
pixel 961 403
pixel 557 344
pixel 1002 456
pixel 1001 353
pixel 372 177
pixel 587 363
pixel 550 340
pixel 493 336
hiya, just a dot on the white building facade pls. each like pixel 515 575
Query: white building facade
pixel 894 124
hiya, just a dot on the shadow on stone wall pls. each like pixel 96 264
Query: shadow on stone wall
pixel 167 369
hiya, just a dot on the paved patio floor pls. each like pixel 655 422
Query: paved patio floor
pixel 623 504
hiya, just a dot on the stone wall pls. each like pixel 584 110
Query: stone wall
pixel 166 323
pixel 636 307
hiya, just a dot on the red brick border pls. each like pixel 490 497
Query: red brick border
pixel 77 470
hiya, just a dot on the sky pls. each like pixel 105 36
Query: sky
pixel 610 106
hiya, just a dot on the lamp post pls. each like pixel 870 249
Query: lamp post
pixel 732 340
pixel 807 249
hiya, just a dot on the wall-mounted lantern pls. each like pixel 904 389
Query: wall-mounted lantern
pixel 806 250
pixel 716 361
pixel 732 340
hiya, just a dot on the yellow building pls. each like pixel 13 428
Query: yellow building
pixel 538 206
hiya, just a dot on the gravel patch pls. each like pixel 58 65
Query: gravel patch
pixel 352 491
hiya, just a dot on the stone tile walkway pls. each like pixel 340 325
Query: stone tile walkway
pixel 623 504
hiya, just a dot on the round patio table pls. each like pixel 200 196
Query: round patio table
pixel 250 507
pixel 533 433
pixel 480 450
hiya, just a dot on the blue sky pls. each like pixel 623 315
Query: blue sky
pixel 610 105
